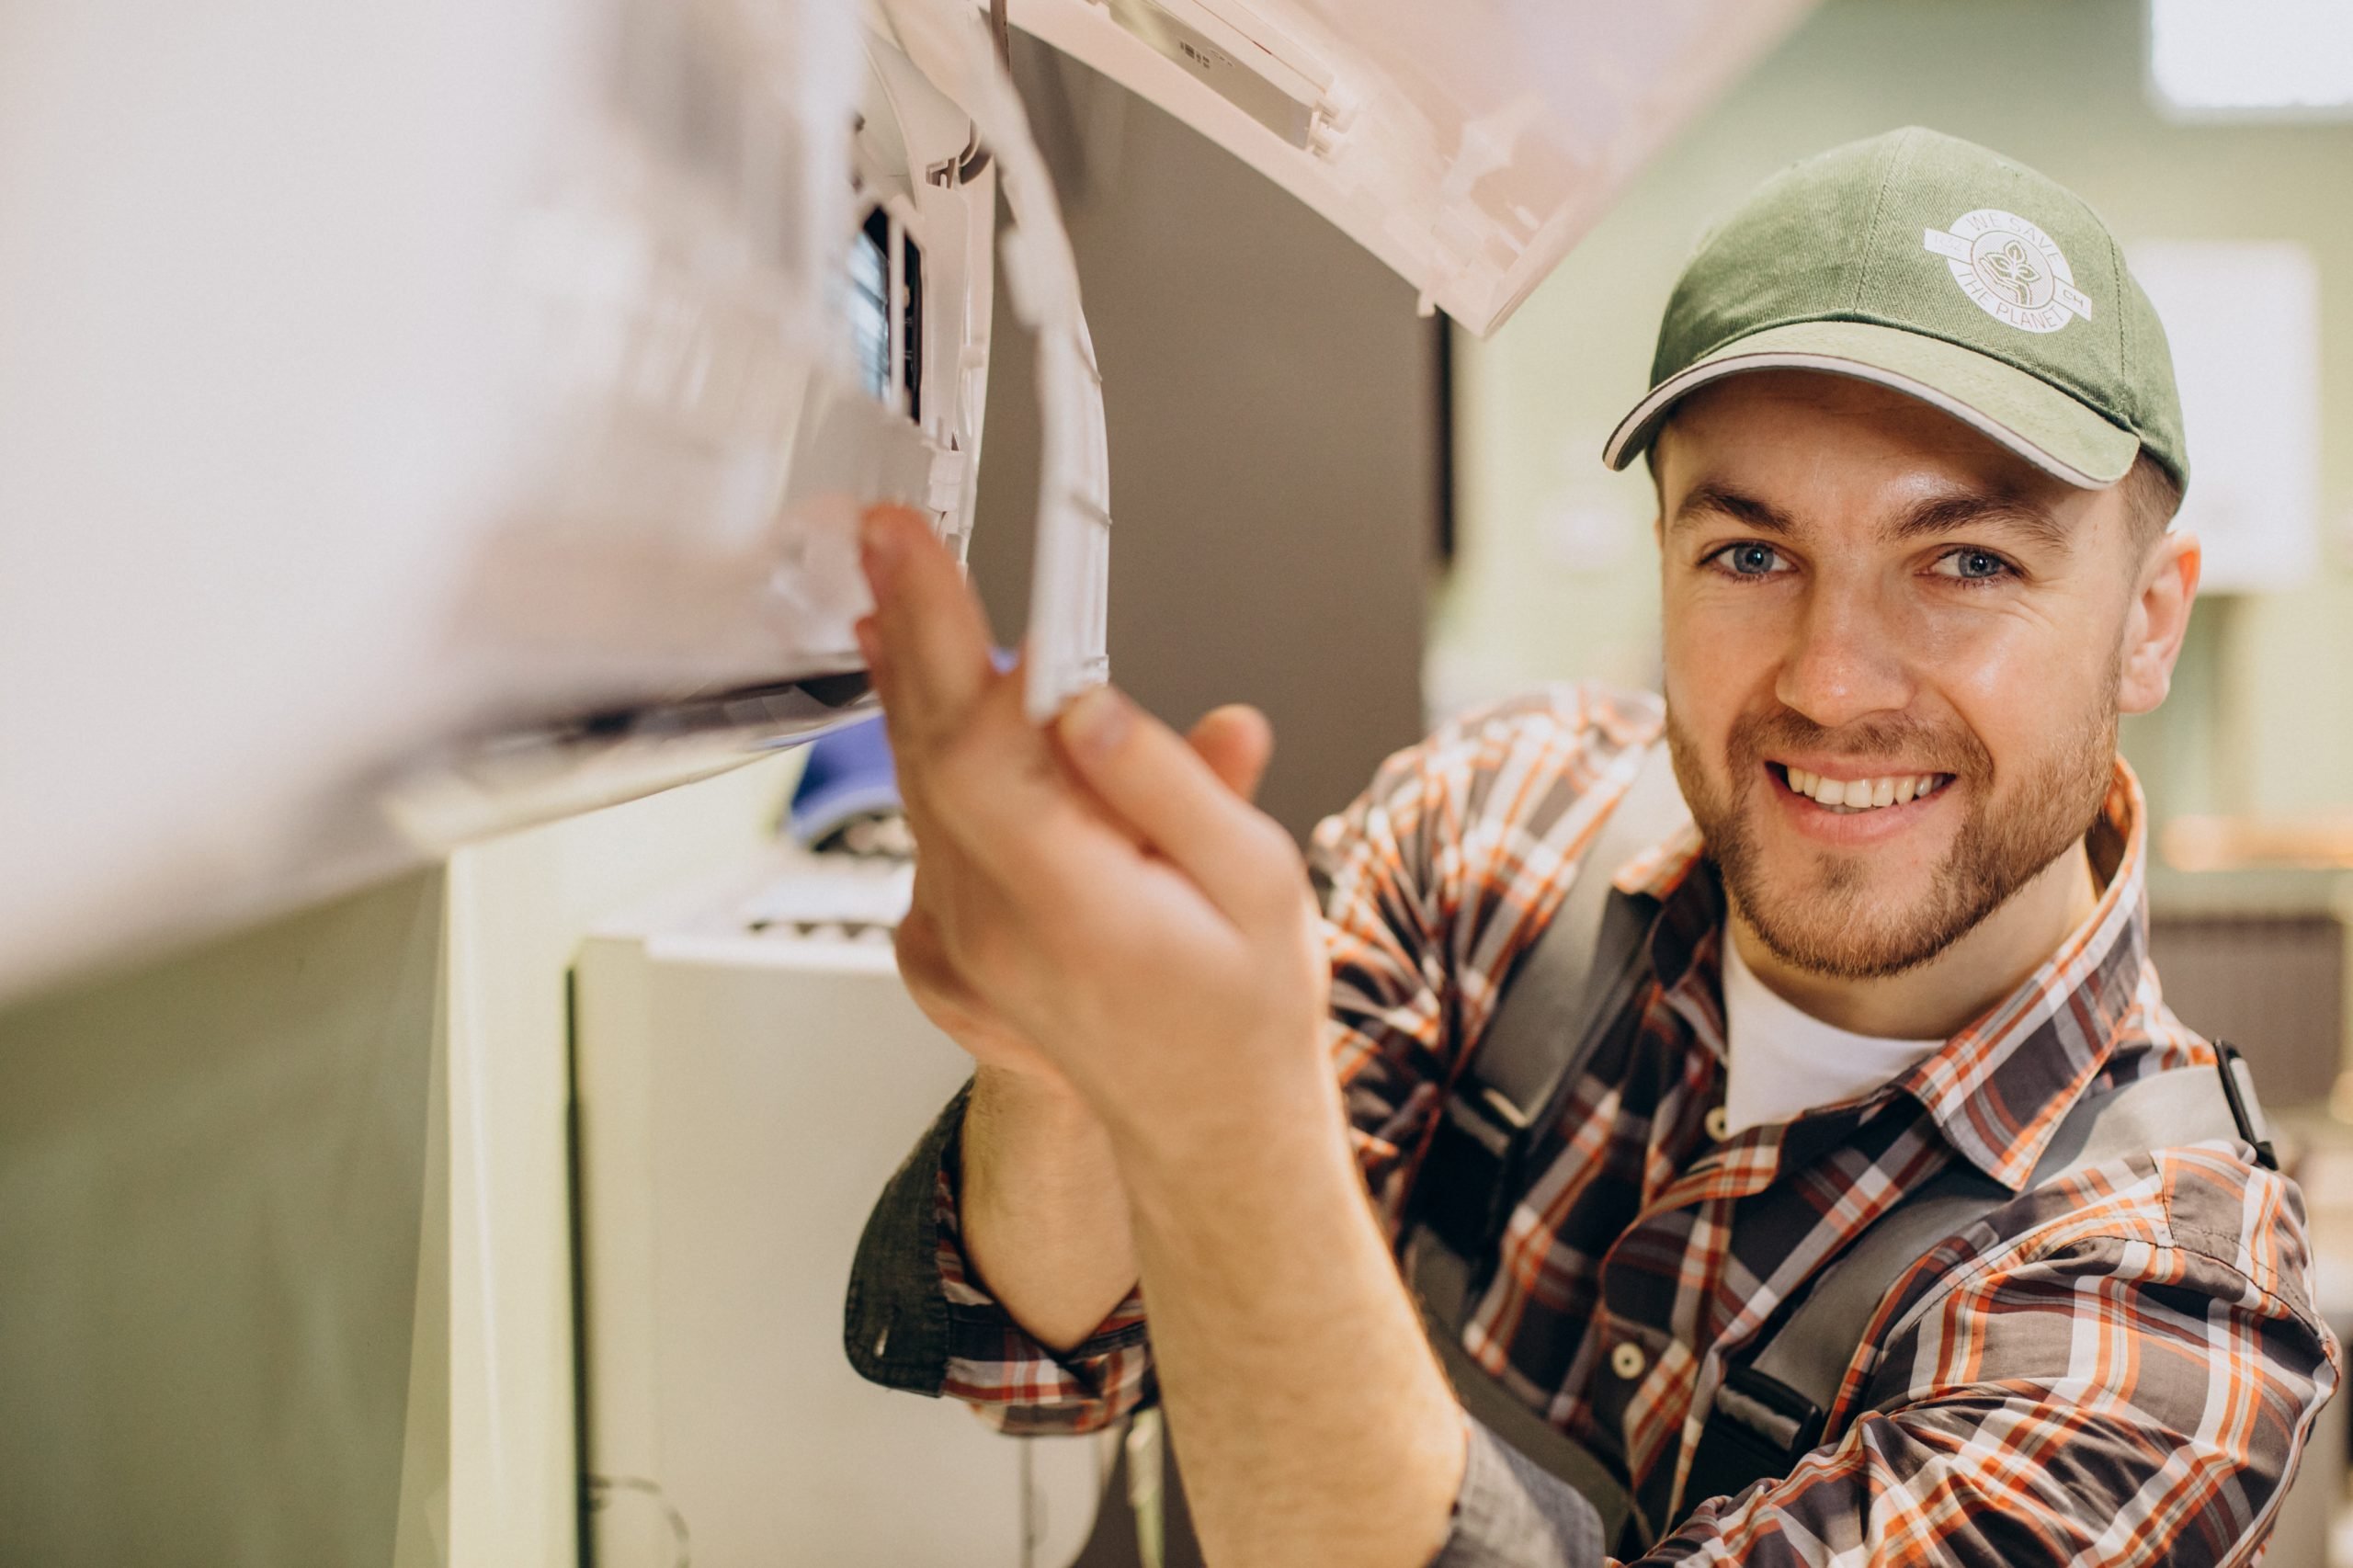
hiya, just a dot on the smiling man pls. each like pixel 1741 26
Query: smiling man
pixel 1894 685
pixel 1874 1207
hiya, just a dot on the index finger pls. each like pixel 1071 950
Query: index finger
pixel 928 653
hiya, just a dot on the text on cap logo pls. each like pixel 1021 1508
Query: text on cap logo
pixel 2011 268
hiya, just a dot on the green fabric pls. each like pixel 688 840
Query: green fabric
pixel 1902 236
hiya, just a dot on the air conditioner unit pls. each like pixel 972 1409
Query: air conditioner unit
pixel 420 419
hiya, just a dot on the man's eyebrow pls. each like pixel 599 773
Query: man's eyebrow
pixel 1950 514
pixel 1939 514
pixel 1762 515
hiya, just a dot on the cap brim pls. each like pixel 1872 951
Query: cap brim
pixel 2036 420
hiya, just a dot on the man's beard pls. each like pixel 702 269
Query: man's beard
pixel 1827 923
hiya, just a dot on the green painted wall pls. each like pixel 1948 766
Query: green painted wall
pixel 285 1248
pixel 214 1183
pixel 1557 575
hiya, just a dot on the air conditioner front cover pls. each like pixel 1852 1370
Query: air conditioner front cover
pixel 423 416
pixel 1467 145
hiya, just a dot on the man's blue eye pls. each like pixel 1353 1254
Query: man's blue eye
pixel 1972 566
pixel 1751 559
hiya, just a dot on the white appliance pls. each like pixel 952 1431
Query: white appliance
pixel 421 418
pixel 744 1091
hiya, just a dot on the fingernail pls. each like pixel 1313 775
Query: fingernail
pixel 1096 722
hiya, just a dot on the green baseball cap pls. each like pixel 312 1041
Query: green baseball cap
pixel 1934 266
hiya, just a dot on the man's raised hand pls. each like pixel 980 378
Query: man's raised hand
pixel 1097 901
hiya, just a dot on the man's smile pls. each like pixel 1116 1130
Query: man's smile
pixel 1857 792
pixel 1860 808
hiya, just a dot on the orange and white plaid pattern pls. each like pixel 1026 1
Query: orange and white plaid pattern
pixel 2117 1368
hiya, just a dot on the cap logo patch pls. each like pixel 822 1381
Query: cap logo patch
pixel 2011 268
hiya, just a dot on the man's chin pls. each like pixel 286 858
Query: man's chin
pixel 1864 945
pixel 1845 921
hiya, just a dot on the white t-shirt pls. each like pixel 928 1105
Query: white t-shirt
pixel 1785 1061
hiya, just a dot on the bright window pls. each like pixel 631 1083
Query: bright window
pixel 869 304
pixel 2216 57
pixel 869 309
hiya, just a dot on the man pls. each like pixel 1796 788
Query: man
pixel 1916 444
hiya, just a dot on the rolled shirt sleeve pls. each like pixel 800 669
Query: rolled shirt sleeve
pixel 915 1318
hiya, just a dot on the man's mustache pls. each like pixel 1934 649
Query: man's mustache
pixel 1900 742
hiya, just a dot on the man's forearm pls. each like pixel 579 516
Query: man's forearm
pixel 1044 1216
pixel 1311 1420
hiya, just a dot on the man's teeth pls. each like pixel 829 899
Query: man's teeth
pixel 1865 794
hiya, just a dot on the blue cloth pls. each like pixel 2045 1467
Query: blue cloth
pixel 849 773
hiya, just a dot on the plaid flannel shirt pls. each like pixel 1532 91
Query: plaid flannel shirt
pixel 2118 1368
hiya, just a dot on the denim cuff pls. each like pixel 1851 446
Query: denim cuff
pixel 1512 1514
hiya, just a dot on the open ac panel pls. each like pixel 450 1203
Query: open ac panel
pixel 715 422
pixel 423 418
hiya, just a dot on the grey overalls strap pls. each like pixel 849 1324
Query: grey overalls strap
pixel 1769 1408
pixel 1582 970
pixel 1578 974
pixel 1560 1000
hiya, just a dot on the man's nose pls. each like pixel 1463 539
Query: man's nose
pixel 1846 661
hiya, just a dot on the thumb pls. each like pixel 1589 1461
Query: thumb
pixel 1237 742
pixel 1170 796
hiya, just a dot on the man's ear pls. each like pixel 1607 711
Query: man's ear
pixel 2158 621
